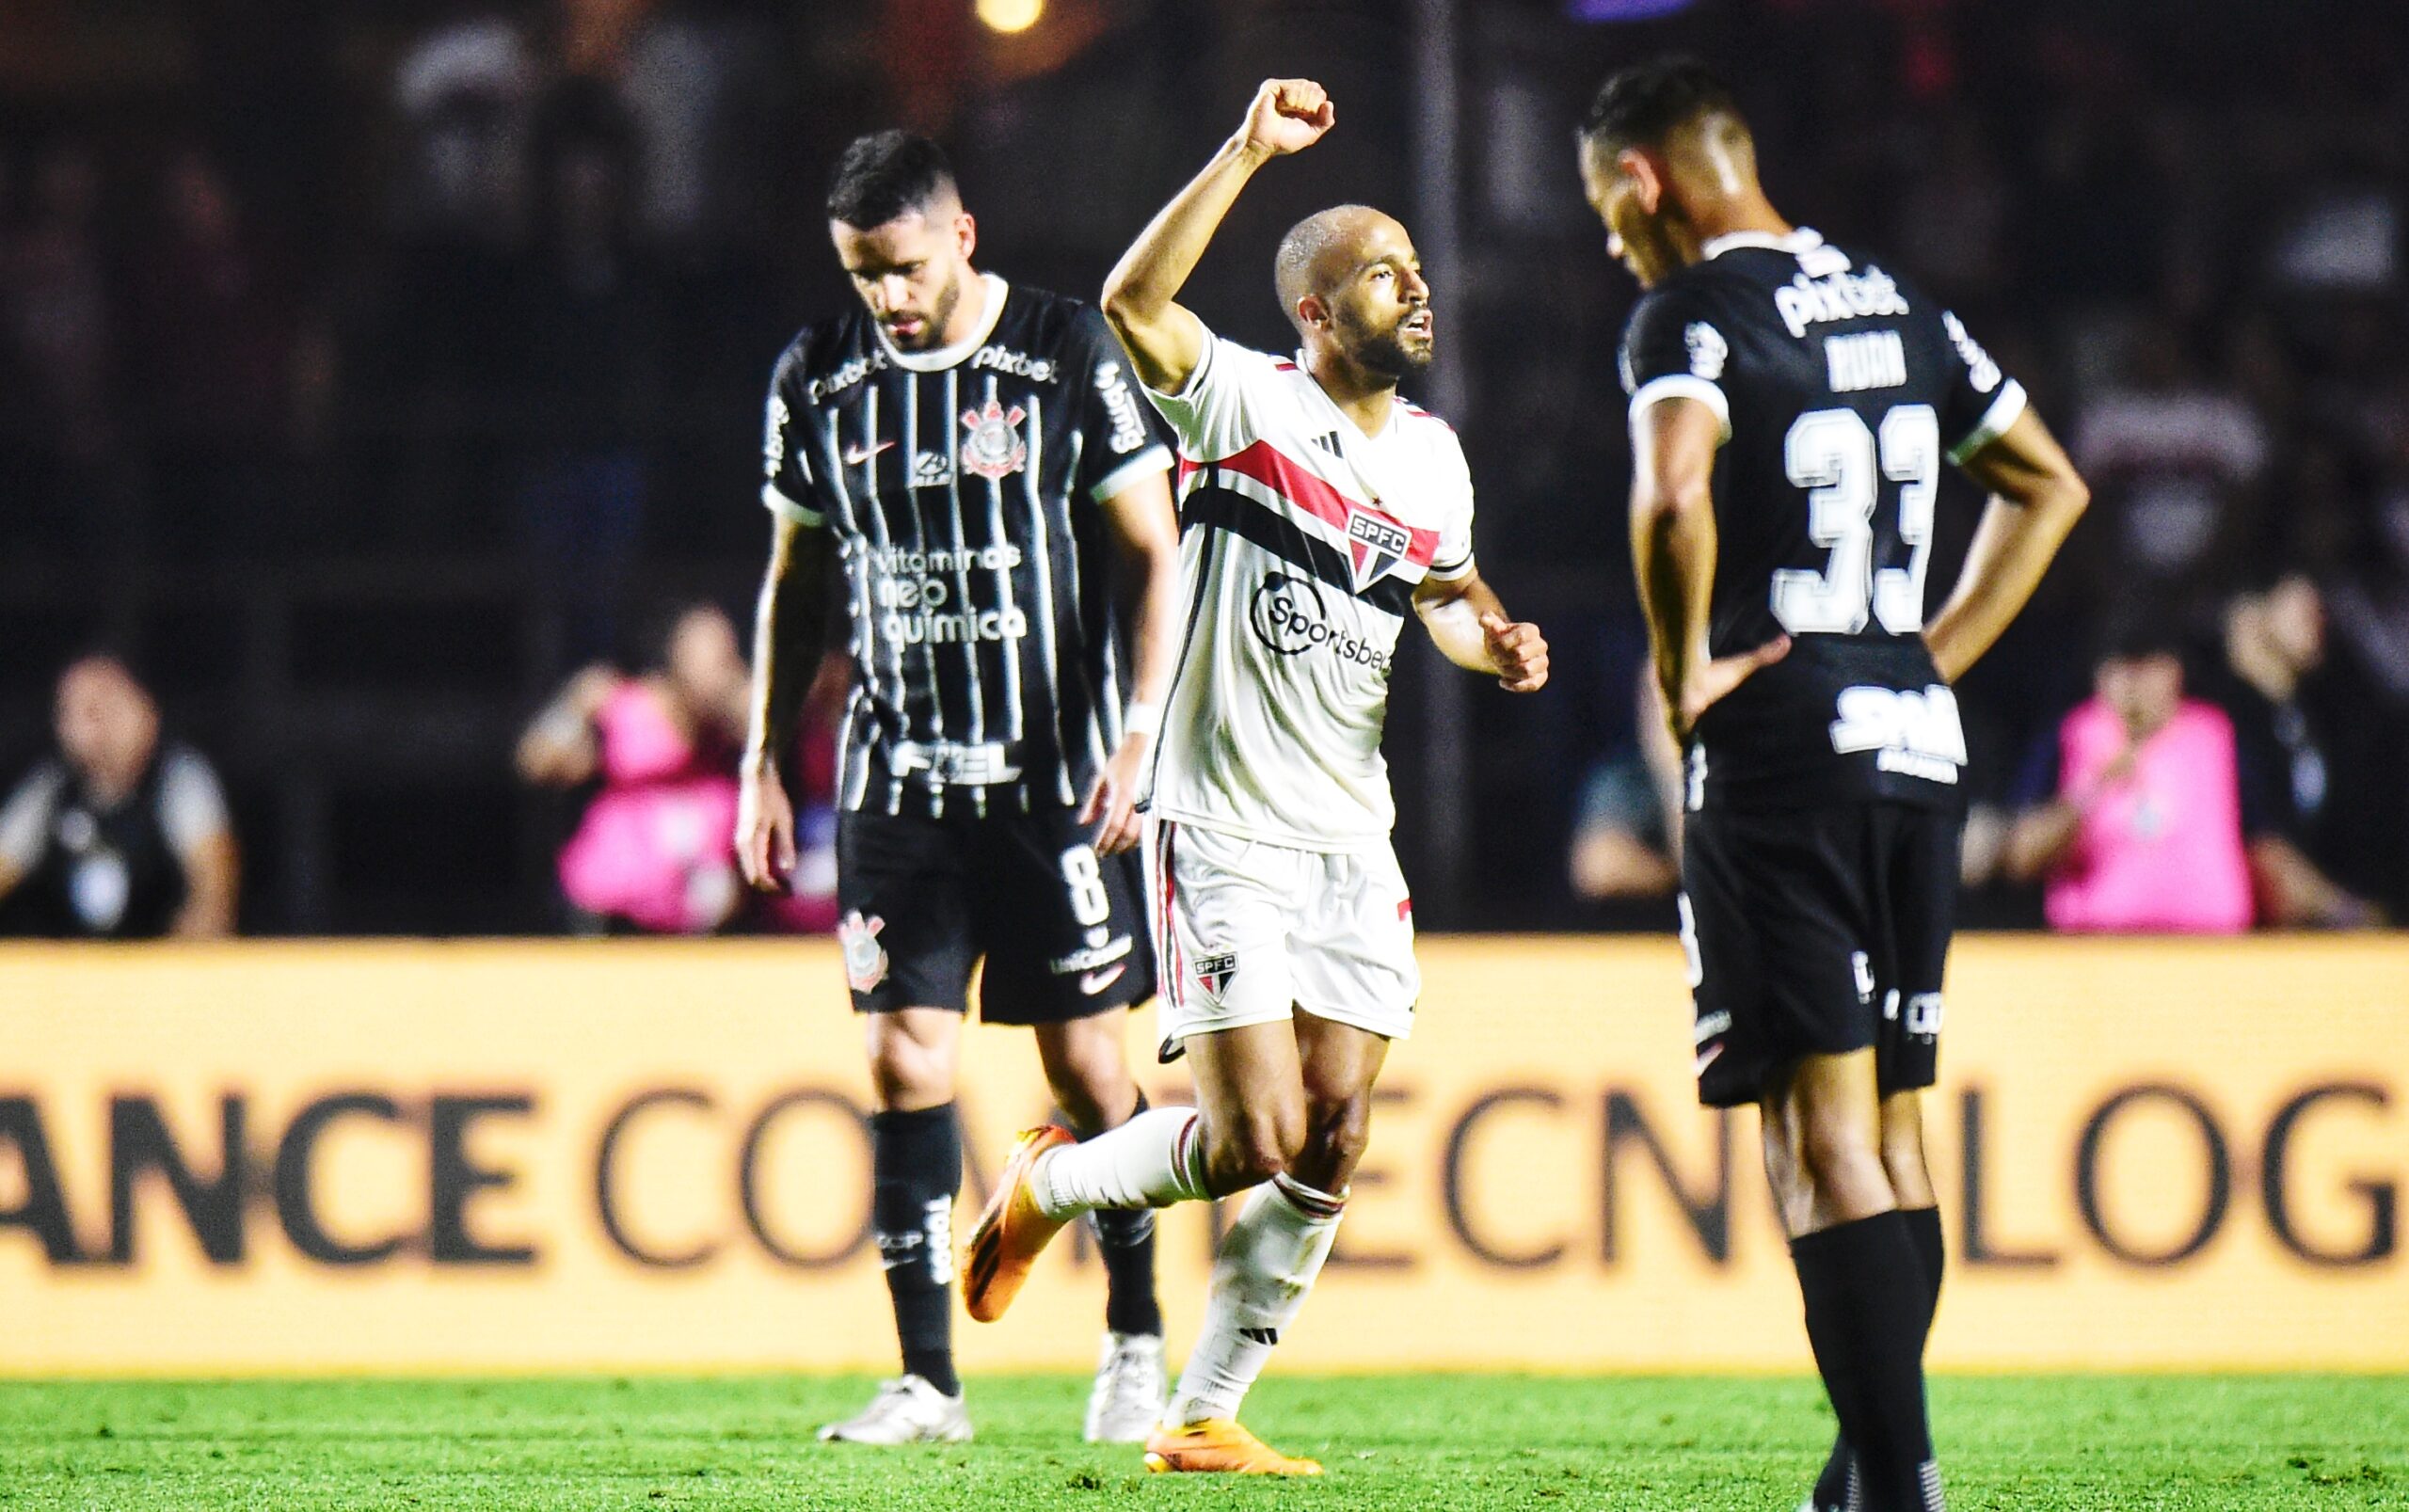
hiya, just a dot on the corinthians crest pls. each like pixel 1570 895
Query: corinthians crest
pixel 993 448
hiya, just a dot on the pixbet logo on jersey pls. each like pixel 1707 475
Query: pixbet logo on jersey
pixel 1374 548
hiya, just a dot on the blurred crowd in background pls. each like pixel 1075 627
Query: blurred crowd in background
pixel 380 385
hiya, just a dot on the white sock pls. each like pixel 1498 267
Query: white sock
pixel 1265 1267
pixel 1154 1160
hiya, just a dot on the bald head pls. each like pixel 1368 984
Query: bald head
pixel 1324 249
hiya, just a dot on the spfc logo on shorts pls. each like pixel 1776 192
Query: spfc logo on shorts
pixel 993 448
pixel 1213 973
pixel 1374 548
pixel 864 958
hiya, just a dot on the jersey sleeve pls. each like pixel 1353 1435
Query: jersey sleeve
pixel 1672 349
pixel 1213 415
pixel 787 484
pixel 1119 442
pixel 1453 558
pixel 1980 401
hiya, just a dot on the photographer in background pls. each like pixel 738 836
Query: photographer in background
pixel 121 835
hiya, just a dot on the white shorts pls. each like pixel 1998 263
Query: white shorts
pixel 1245 931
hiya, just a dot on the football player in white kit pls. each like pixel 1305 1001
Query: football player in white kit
pixel 1317 509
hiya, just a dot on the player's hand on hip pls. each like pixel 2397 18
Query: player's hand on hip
pixel 1288 116
pixel 764 829
pixel 1111 803
pixel 1518 651
pixel 1714 680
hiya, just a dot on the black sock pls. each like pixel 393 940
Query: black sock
pixel 1923 1227
pixel 1125 1238
pixel 915 1168
pixel 1867 1307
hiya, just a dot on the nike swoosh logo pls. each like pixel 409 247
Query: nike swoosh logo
pixel 1096 982
pixel 1705 1059
pixel 857 455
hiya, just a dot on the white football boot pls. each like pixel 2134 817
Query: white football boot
pixel 1130 1389
pixel 906 1410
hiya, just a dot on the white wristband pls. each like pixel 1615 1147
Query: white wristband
pixel 1143 718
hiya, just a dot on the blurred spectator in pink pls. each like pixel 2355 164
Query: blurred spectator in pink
pixel 123 835
pixel 656 848
pixel 2143 813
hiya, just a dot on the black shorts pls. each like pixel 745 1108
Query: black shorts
pixel 1816 931
pixel 1061 927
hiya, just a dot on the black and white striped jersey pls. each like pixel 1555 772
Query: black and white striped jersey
pixel 963 488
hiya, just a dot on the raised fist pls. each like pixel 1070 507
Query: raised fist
pixel 1288 116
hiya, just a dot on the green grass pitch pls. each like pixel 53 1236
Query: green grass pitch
pixel 1419 1443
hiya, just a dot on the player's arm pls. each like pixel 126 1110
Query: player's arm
pixel 1145 543
pixel 1472 630
pixel 790 624
pixel 1164 340
pixel 2035 498
pixel 1672 551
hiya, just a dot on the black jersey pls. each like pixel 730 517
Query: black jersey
pixel 1842 390
pixel 963 488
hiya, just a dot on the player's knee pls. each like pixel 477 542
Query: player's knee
pixel 1839 1152
pixel 1336 1131
pixel 907 1074
pixel 1251 1152
pixel 1091 1088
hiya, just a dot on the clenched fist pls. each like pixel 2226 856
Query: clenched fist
pixel 1518 651
pixel 1288 116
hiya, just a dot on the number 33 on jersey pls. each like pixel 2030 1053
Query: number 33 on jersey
pixel 1840 390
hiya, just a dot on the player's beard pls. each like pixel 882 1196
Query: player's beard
pixel 1386 354
pixel 933 326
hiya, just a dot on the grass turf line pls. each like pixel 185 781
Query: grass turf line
pixel 1630 1443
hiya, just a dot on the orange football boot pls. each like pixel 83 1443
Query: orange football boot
pixel 1012 1232
pixel 1219 1446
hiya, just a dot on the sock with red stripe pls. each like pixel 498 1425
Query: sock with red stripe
pixel 1265 1267
pixel 1154 1160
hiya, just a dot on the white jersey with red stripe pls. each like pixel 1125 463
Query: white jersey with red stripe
pixel 1303 539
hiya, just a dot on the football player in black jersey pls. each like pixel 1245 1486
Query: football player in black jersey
pixel 970 458
pixel 1791 403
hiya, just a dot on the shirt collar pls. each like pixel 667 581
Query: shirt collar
pixel 1805 239
pixel 947 357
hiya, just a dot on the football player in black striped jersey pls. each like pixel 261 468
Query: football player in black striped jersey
pixel 967 463
pixel 1790 402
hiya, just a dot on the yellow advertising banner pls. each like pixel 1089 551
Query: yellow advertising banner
pixel 634 1155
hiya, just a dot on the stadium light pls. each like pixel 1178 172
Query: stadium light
pixel 1009 16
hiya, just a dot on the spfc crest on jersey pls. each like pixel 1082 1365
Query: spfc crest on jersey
pixel 1214 973
pixel 994 449
pixel 864 958
pixel 1374 548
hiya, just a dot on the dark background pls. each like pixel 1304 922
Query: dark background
pixel 368 365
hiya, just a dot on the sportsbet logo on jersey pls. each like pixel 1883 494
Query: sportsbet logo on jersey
pixel 1289 615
